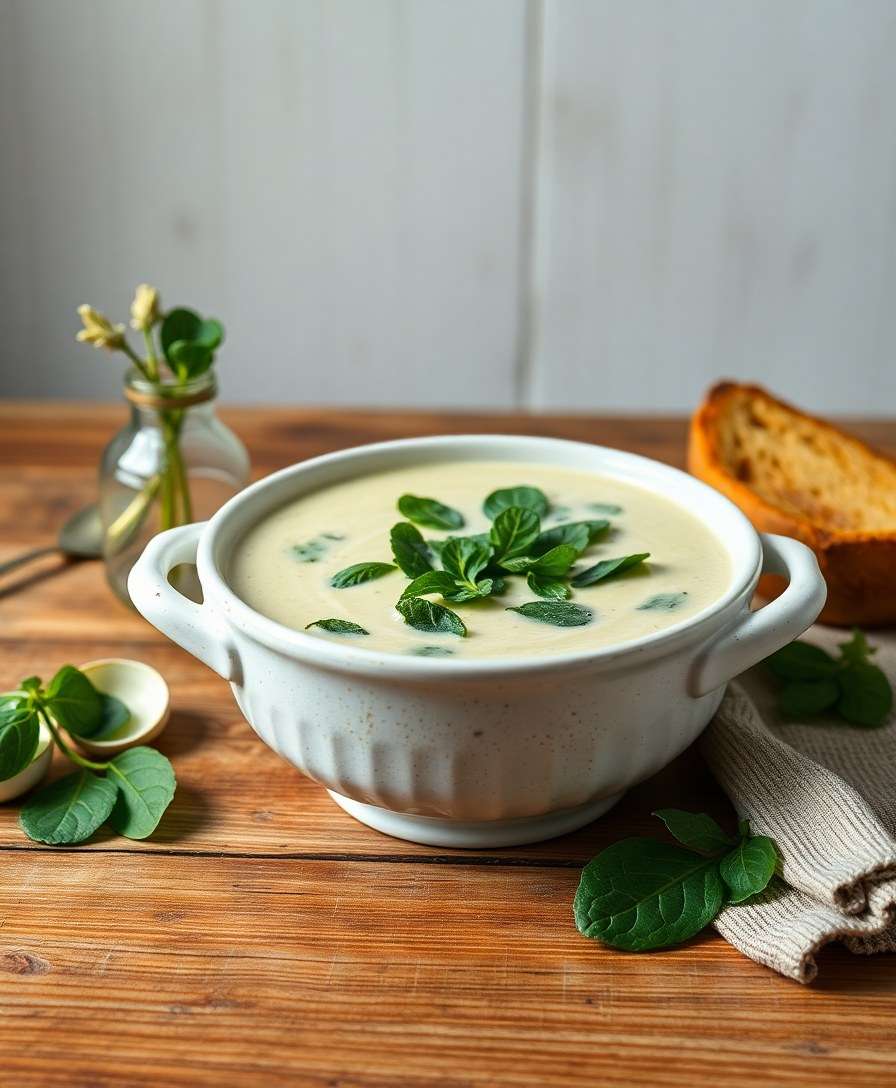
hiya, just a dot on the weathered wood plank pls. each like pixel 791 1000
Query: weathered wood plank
pixel 181 971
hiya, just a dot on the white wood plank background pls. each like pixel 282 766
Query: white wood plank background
pixel 588 204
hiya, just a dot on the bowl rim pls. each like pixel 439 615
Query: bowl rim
pixel 225 602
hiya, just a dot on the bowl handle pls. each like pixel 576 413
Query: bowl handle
pixel 758 634
pixel 193 626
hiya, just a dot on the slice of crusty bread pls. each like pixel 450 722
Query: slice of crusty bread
pixel 794 474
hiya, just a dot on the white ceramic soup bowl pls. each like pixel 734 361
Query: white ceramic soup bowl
pixel 476 753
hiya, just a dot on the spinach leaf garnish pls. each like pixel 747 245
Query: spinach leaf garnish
pixel 558 613
pixel 338 627
pixel 610 509
pixel 641 894
pixel 430 513
pixel 465 559
pixel 850 685
pixel 312 551
pixel 513 530
pixel 410 550
pixel 578 533
pixel 434 581
pixel 360 572
pixel 553 564
pixel 555 589
pixel 432 651
pixel 530 497
pixel 607 567
pixel 663 602
pixel 426 616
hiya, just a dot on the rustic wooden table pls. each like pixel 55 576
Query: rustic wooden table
pixel 262 937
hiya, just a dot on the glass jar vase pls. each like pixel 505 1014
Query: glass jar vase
pixel 173 463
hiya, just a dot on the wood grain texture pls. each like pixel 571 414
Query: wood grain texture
pixel 263 937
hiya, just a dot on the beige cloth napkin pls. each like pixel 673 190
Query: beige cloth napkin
pixel 826 794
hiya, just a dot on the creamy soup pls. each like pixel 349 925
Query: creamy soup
pixel 552 560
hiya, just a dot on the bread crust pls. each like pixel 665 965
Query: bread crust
pixel 859 567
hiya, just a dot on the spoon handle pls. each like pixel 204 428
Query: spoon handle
pixel 26 557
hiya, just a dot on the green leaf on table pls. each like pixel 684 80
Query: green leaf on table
pixel 607 568
pixel 558 613
pixel 19 737
pixel 78 707
pixel 806 698
pixel 146 785
pixel 530 497
pixel 866 697
pixel 358 573
pixel 553 589
pixel 858 649
pixel 430 513
pixel 696 830
pixel 640 894
pixel 70 809
pixel 513 530
pixel 424 615
pixel 749 867
pixel 553 564
pixel 663 602
pixel 801 661
pixel 410 550
pixel 338 627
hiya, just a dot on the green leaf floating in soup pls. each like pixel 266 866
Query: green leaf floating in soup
pixel 513 531
pixel 410 549
pixel 430 513
pixel 607 568
pixel 338 627
pixel 312 551
pixel 552 588
pixel 432 651
pixel 434 618
pixel 479 542
pixel 559 613
pixel 533 498
pixel 358 573
pixel 663 602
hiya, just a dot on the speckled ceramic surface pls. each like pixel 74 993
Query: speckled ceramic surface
pixel 477 753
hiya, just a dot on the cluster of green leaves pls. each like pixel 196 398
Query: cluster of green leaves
pixel 849 685
pixel 641 894
pixel 469 568
pixel 189 342
pixel 136 787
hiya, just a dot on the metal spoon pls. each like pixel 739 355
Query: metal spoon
pixel 81 537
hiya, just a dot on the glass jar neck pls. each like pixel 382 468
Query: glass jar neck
pixel 155 402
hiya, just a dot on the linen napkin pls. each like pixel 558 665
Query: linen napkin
pixel 826 793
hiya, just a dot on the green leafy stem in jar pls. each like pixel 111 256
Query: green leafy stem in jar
pixel 184 351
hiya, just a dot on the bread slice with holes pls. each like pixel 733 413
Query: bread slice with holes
pixel 794 474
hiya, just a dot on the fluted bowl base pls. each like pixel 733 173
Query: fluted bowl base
pixel 475 834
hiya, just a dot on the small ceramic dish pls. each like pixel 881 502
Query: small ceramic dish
pixel 143 691
pixel 34 773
